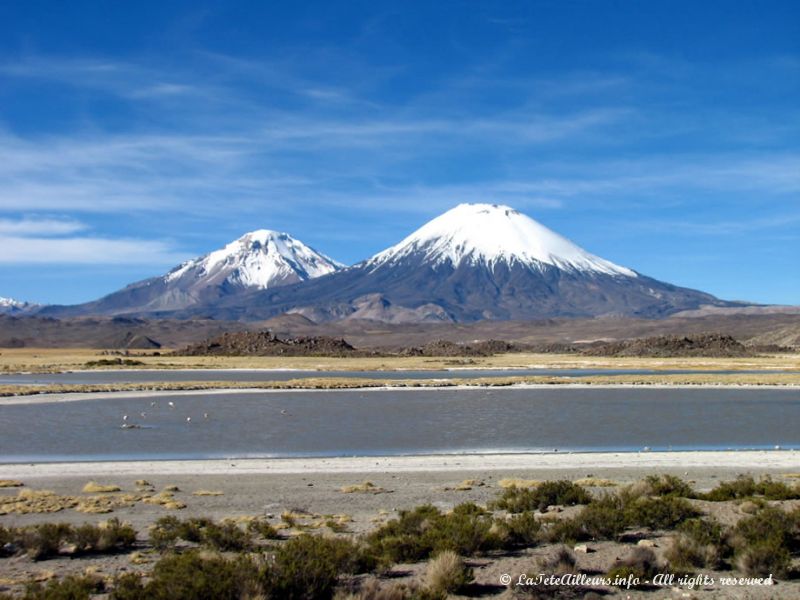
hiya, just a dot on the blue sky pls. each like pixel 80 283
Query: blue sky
pixel 662 135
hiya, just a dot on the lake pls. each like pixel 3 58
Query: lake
pixel 392 422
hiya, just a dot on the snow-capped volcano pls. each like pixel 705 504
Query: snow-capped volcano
pixel 9 306
pixel 491 234
pixel 259 259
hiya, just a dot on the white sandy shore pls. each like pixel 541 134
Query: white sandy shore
pixel 746 460
pixel 45 398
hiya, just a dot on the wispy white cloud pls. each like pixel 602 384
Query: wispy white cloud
pixel 19 250
pixel 39 226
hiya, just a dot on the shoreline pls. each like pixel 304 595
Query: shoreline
pixel 758 460
pixel 47 397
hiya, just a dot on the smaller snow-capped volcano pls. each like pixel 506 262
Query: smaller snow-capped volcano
pixel 491 234
pixel 259 259
pixel 9 306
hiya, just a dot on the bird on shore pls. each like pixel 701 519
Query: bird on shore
pixel 171 404
pixel 188 419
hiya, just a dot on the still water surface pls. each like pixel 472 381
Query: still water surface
pixel 390 422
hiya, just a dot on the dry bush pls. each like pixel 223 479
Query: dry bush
pixel 97 488
pixel 641 563
pixel 446 573
pixel 559 562
pixel 518 483
pixel 366 487
pixel 595 482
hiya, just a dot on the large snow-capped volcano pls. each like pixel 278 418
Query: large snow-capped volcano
pixel 491 234
pixel 259 259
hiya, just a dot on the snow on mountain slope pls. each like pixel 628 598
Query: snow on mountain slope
pixel 491 234
pixel 9 306
pixel 259 259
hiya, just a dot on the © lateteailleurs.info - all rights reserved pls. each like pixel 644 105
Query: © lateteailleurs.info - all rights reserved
pixel 631 581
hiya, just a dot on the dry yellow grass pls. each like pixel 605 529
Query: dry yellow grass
pixel 467 485
pixel 35 501
pixel 595 482
pixel 321 383
pixel 366 487
pixel 104 503
pixel 98 488
pixel 165 498
pixel 28 501
pixel 139 558
pixel 520 483
pixel 446 573
pixel 9 483
pixel 58 359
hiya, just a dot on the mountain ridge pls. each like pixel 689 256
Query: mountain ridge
pixel 473 262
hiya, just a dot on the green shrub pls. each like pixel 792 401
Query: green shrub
pixel 424 531
pixel 603 519
pixel 606 517
pixel 658 513
pixel 776 490
pixel 44 540
pixel 128 587
pixel 666 485
pixel 769 524
pixel 72 587
pixel 193 576
pixel 165 533
pixel 308 567
pixel 225 537
pixel 6 537
pixel 746 487
pixel 699 543
pixel 111 536
pixel 522 529
pixel 261 528
pixel 763 558
pixel 549 493
pixel 764 542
